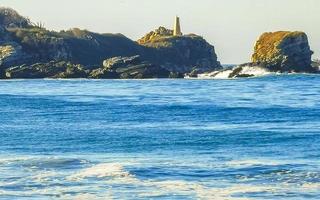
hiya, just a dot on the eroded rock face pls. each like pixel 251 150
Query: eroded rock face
pixel 2 31
pixel 103 73
pixel 12 54
pixel 116 62
pixel 180 54
pixel 53 69
pixel 129 68
pixel 316 65
pixel 283 51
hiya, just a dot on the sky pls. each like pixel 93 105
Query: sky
pixel 232 26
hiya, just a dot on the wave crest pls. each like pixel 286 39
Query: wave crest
pixel 105 170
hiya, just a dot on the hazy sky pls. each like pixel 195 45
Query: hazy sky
pixel 232 26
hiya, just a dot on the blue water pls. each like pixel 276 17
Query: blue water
pixel 161 139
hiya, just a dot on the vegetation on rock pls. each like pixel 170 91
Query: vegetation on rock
pixel 28 50
pixel 283 51
pixel 27 43
pixel 157 34
pixel 181 54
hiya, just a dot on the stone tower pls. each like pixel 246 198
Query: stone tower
pixel 177 28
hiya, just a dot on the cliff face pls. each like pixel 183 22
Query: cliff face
pixel 181 54
pixel 283 51
pixel 75 45
pixel 23 43
pixel 12 54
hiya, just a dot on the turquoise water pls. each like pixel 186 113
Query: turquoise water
pixel 161 139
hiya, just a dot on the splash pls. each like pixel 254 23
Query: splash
pixel 246 70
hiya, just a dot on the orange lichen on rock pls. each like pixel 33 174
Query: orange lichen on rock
pixel 283 51
pixel 155 35
pixel 269 44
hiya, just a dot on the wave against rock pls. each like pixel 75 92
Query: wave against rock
pixel 278 52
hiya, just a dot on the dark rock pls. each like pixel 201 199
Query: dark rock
pixel 316 65
pixel 12 54
pixel 103 73
pixel 176 75
pixel 236 73
pixel 73 71
pixel 244 75
pixel 53 69
pixel 143 71
pixel 194 73
pixel 118 62
pixel 129 68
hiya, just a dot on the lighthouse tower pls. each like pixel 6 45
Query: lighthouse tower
pixel 177 28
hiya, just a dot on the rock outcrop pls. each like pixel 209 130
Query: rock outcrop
pixel 129 68
pixel 283 51
pixel 278 52
pixel 10 18
pixel 180 54
pixel 118 62
pixel 53 69
pixel 159 33
pixel 12 54
pixel 26 43
pixel 316 64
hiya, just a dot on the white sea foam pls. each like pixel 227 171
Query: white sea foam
pixel 216 75
pixel 203 192
pixel 110 174
pixel 255 71
pixel 106 170
pixel 311 186
pixel 248 163
pixel 87 196
pixel 45 176
pixel 246 70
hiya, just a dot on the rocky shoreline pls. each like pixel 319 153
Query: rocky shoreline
pixel 274 53
pixel 28 50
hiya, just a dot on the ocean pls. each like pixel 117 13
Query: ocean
pixel 255 138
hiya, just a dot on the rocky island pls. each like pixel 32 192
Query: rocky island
pixel 28 50
pixel 275 52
